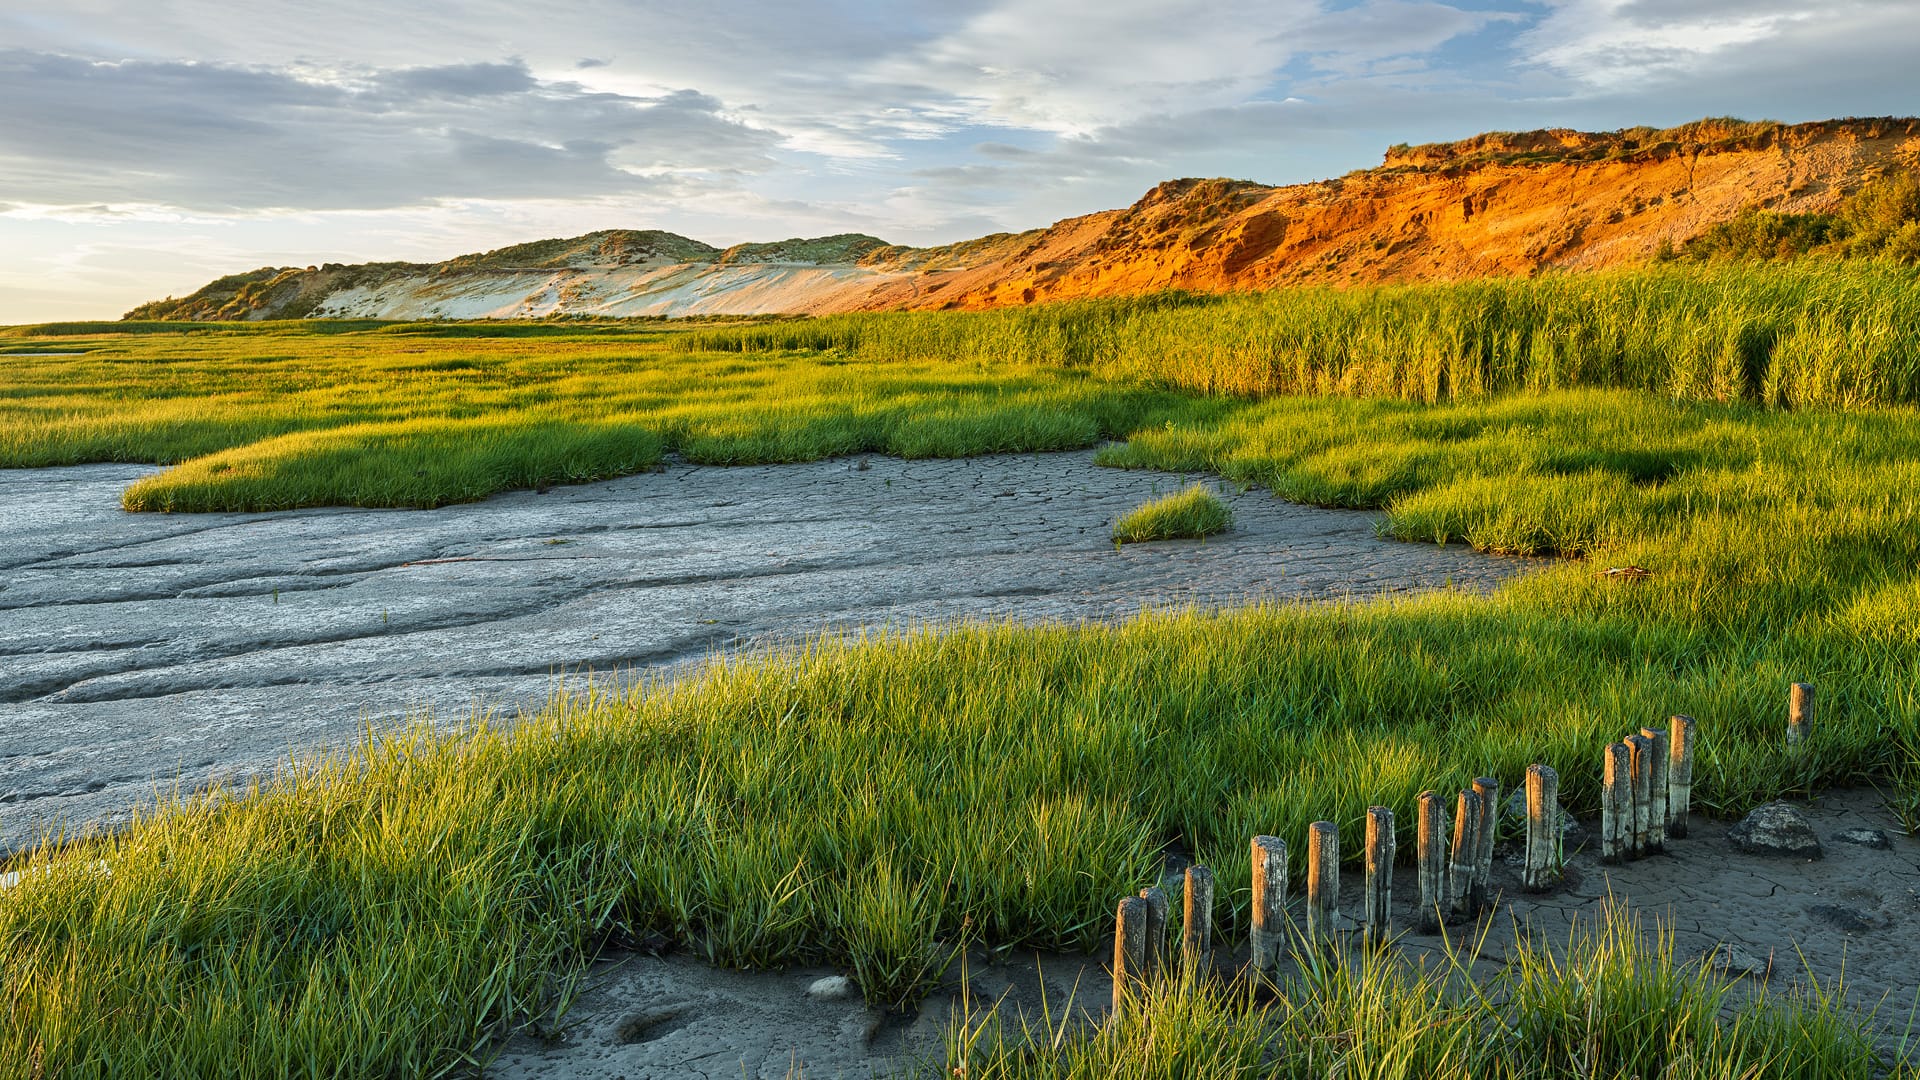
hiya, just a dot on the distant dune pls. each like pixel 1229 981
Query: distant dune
pixel 1501 204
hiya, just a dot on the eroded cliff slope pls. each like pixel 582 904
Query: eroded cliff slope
pixel 1497 204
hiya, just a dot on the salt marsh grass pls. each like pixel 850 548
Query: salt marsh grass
pixel 1612 1001
pixel 875 805
pixel 1814 333
pixel 1189 514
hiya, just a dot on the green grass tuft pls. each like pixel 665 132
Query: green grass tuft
pixel 1188 515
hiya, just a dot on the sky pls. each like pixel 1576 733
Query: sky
pixel 148 146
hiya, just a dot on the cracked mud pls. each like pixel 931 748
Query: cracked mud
pixel 1758 917
pixel 139 652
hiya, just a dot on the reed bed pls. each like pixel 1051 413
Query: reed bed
pixel 1816 332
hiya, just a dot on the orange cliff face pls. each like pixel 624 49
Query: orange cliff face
pixel 1495 205
pixel 1504 204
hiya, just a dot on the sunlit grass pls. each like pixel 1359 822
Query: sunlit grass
pixel 1611 1001
pixel 876 805
pixel 1189 514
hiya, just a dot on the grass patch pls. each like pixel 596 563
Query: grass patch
pixel 1187 515
pixel 1611 1001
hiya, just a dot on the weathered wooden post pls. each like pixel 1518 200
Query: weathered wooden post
pixel 1489 790
pixel 1323 880
pixel 1799 715
pixel 1157 909
pixel 1431 861
pixel 1269 903
pixel 1466 854
pixel 1616 804
pixel 1380 851
pixel 1129 950
pixel 1543 828
pixel 1196 937
pixel 1640 749
pixel 1680 775
pixel 1657 782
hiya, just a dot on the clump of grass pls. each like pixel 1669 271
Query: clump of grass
pixel 1187 515
pixel 1607 1002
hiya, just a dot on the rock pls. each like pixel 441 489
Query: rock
pixel 1852 920
pixel 1776 829
pixel 1735 961
pixel 831 988
pixel 1866 838
pixel 1514 816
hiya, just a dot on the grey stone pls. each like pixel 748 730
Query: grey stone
pixel 1866 838
pixel 1514 816
pixel 831 988
pixel 1776 829
pixel 1736 960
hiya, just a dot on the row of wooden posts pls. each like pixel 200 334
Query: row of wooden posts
pixel 1454 880
pixel 1645 799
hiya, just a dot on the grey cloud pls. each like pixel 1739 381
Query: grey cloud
pixel 1670 12
pixel 460 80
pixel 219 138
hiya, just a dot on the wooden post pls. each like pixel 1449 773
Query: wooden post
pixel 1657 782
pixel 1641 750
pixel 1466 854
pixel 1129 950
pixel 1680 775
pixel 1543 828
pixel 1196 938
pixel 1269 903
pixel 1799 714
pixel 1431 861
pixel 1380 852
pixel 1489 790
pixel 1323 880
pixel 1616 804
pixel 1157 908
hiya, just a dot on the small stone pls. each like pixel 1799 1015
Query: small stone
pixel 1515 817
pixel 831 988
pixel 1736 961
pixel 1852 920
pixel 1776 829
pixel 1866 838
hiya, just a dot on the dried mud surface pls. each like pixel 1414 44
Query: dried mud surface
pixel 1770 923
pixel 139 651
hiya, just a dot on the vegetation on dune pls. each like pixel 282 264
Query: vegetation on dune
pixel 877 804
pixel 1881 220
pixel 1553 146
pixel 1190 514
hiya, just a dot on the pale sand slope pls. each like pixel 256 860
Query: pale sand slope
pixel 1772 921
pixel 676 289
pixel 141 650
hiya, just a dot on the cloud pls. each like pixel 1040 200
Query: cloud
pixel 218 137
pixel 1618 44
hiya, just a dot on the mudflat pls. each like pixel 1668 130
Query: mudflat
pixel 140 653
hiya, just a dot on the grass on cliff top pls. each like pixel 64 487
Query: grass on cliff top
pixel 870 805
pixel 1185 515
